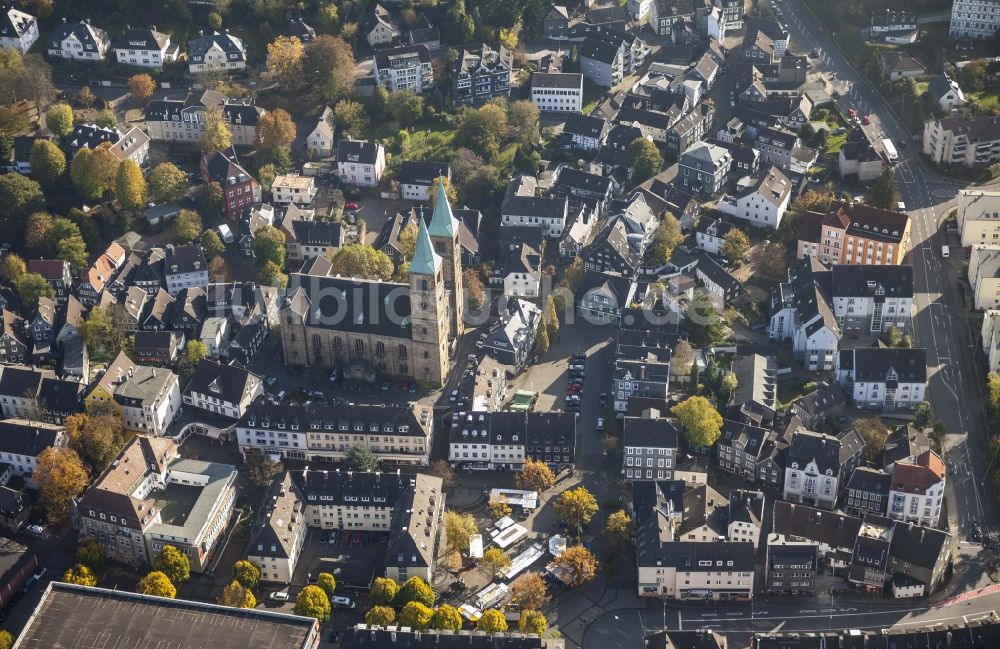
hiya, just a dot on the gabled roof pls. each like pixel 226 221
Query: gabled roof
pixel 896 62
pixel 226 382
pixel 801 522
pixel 585 125
pixel 358 151
pixel 231 46
pixel 84 32
pixel 926 471
pixel 384 58
pixel 139 38
pixel 14 23
pixel 27 438
pixel 224 168
pixel 874 364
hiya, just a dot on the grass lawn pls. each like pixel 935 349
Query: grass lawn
pixel 833 143
pixel 986 98
pixel 429 140
pixel 592 93
pixel 789 389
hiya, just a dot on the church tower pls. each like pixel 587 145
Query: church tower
pixel 444 235
pixel 429 320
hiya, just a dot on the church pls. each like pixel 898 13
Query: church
pixel 369 328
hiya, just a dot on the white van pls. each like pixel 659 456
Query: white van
pixel 341 602
pixel 945 253
pixel 900 206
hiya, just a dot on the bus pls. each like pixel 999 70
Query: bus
pixel 890 151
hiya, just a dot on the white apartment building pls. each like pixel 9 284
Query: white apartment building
pixel 145 48
pixel 404 68
pixel 321 432
pixel 360 163
pixel 721 571
pixel 293 188
pixel 216 52
pixel 183 120
pixel 18 30
pixel 185 267
pixel 974 18
pixel 883 379
pixel 763 202
pixel 746 513
pixel 978 216
pixel 984 276
pixel 557 92
pixel 502 441
pixel 226 390
pixel 991 339
pixel 917 490
pixel 78 41
pixel 871 299
pixel 521 206
pixel 969 141
pixel 802 313
pixel 22 440
pixel 149 398
pixel 813 469
pixel 276 542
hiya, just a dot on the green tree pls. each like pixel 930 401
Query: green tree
pixel 237 595
pixel 93 171
pixel 329 17
pixel 59 119
pixel 32 286
pixel 576 507
pixel 617 532
pixel 498 509
pixel 459 527
pixel 275 130
pixel 330 63
pixel 167 183
pixel 173 563
pixel 130 187
pixel 12 267
pixel 211 198
pixel 246 573
pixel 551 316
pixel 361 260
pixel 187 226
pixel 416 616
pixel 415 589
pixel 19 197
pixel 313 602
pixel 885 193
pixel 532 622
pixel 447 618
pixel 80 575
pixel 269 246
pixel 523 117
pixel 729 383
pixel 194 351
pixel 327 582
pixel 735 246
pixel 406 107
pixel 381 616
pixel 350 115
pixel 542 339
pixel 214 21
pixel 271 275
pixel 360 458
pixel 494 562
pixel 211 242
pixel 923 416
pixel 261 469
pixel 157 584
pixel 97 435
pixel 6 640
pixel 68 244
pixel 492 621
pixel 216 136
pixel 703 321
pixel 666 239
pixel 893 336
pixel 90 553
pixel 645 157
pixel 383 591
pixel 106 119
pixel 48 163
pixel 874 433
pixel 702 423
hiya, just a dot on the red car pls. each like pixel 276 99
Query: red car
pixel 866 120
pixel 351 206
pixel 852 113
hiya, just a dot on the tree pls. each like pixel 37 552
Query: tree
pixel 573 274
pixel 167 183
pixel 449 190
pixel 330 61
pixel 923 416
pixel 551 316
pixel 446 618
pixel 32 286
pixel 492 621
pixel 284 60
pixel 350 115
pixel 271 275
pixel 275 130
pixel 187 226
pixel 459 527
pixel 702 423
pixel 173 563
pixel 327 582
pixel 383 591
pixel 416 616
pixel 90 553
pixel 269 246
pixel 80 575
pixel 246 573
pixel 59 119
pixel 498 509
pixel 542 339
pixel 885 193
pixel 93 171
pixel 618 531
pixel 874 433
pixel 667 237
pixel 579 563
pixel 814 200
pixel 217 135
pixel 529 591
pixel 475 292
pixel 523 117
pixel 415 589
pixel 211 198
pixel 494 561
pixel 38 234
pixel 103 331
pixel 508 38
pixel 771 260
pixel 406 107
pixel 130 187
pixel 532 622
pixel 19 197
pixel 86 97
pixel 535 476
pixel 381 616
pixel 408 239
pixel 361 260
pixel 906 342
pixel 729 383
pixel 6 639
pixel 735 246
pixel 313 602
pixel 893 336
pixel 68 244
pixel 703 321
pixel 645 157
pixel 156 584
pixel 97 436
pixel 212 244
pixel 329 17
pixel 360 458
pixel 106 119
pixel 576 507
pixel 48 163
pixel 237 595
pixel 12 267
pixel 141 87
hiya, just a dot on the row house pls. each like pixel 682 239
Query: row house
pixel 917 489
pixel 854 233
pixel 145 48
pixel 649 447
pixel 22 441
pixel 56 273
pixel 503 441
pixel 523 206
pixel 93 280
pixel 818 465
pixel 885 379
pixel 13 340
pixel 185 120
pixel 790 568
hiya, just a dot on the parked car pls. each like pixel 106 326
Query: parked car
pixel 341 602
pixel 280 596
pixel 334 375
pixel 37 530
pixel 600 424
pixel 351 205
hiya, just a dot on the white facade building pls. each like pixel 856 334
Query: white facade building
pixel 762 203
pixel 293 188
pixel 884 379
pixel 150 398
pixel 917 490
pixel 974 18
pixel 557 92
pixel 18 30
pixel 79 41
pixel 991 339
pixel 145 48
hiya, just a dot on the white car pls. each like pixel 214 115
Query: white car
pixel 37 530
pixel 341 602
pixel 280 596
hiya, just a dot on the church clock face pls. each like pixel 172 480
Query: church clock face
pixel 424 306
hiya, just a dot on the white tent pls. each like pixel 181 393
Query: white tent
pixel 476 546
pixel 557 545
